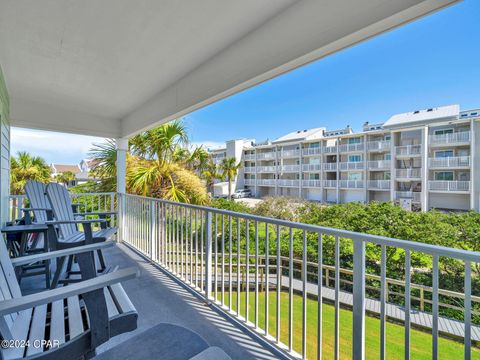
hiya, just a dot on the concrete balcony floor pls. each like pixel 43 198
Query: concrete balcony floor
pixel 159 298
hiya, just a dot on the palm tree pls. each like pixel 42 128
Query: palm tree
pixel 65 177
pixel 229 169
pixel 104 159
pixel 25 167
pixel 210 174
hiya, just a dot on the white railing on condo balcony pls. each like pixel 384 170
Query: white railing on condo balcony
pixel 266 155
pixel 461 137
pixel 438 185
pixel 351 184
pixel 330 183
pixel 408 150
pixel 311 167
pixel 379 184
pixel 249 169
pixel 384 145
pixel 330 149
pixel 379 164
pixel 88 202
pixel 352 147
pixel 250 182
pixel 290 153
pixel 311 183
pixel 249 157
pixel 449 162
pixel 268 182
pixel 352 165
pixel 234 260
pixel 330 166
pixel 414 173
pixel 270 169
pixel 415 196
pixel 289 168
pixel 311 151
pixel 288 182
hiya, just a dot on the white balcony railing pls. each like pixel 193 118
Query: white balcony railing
pixel 352 147
pixel 379 184
pixel 408 150
pixel 449 162
pixel 267 182
pixel 289 168
pixel 290 153
pixel 311 167
pixel 415 196
pixel 265 169
pixel 379 164
pixel 461 137
pixel 250 182
pixel 330 149
pixel 330 166
pixel 384 145
pixel 352 165
pixel 351 184
pixel 311 183
pixel 288 182
pixel 270 155
pixel 414 173
pixel 249 169
pixel 460 186
pixel 249 157
pixel 330 183
pixel 311 151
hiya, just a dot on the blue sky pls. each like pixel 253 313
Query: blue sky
pixel 431 62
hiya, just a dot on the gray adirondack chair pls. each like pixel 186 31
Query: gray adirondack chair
pixel 64 232
pixel 68 322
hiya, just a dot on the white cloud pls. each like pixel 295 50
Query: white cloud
pixel 52 146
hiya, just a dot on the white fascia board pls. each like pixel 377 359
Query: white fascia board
pixel 33 115
pixel 293 38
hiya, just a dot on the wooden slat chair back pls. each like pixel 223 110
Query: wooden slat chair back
pixel 59 200
pixel 69 322
pixel 37 199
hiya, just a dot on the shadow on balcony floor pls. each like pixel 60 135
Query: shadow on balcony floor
pixel 160 299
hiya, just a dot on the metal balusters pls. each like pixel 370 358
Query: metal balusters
pixel 177 241
pixel 208 257
pixel 279 287
pixel 290 292
pixel 383 301
pixel 319 296
pixel 304 296
pixel 182 259
pixel 468 311
pixel 238 267
pixel 435 307
pixel 191 246
pixel 223 261
pixel 337 299
pixel 202 251
pixel 358 299
pixel 216 258
pixel 256 274
pixel 196 249
pixel 407 303
pixel 247 271
pixel 230 260
pixel 267 275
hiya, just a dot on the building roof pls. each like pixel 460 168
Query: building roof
pixel 61 168
pixel 306 134
pixel 422 116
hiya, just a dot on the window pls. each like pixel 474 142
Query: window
pixel 444 175
pixel 314 145
pixel 387 137
pixel 314 176
pixel 354 158
pixel 444 154
pixel 444 131
pixel 356 140
pixel 388 157
pixel 354 176
pixel 386 176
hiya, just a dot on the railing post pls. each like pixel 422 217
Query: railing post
pixel 358 300
pixel 208 259
pixel 121 216
pixel 152 230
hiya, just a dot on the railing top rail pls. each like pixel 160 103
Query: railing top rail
pixel 93 194
pixel 459 254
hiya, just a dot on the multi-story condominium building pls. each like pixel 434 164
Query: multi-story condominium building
pixel 421 160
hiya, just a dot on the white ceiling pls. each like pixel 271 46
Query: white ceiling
pixel 115 67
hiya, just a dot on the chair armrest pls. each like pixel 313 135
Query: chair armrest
pixel 35 209
pixel 78 221
pixel 24 260
pixel 100 213
pixel 82 287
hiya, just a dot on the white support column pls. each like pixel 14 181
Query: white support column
pixel 425 169
pixel 122 148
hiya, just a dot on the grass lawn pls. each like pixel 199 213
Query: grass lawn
pixel 421 342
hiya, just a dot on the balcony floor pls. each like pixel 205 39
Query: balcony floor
pixel 160 299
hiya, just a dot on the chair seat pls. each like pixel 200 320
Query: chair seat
pixel 98 236
pixel 49 327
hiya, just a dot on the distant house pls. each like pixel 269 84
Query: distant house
pixel 81 171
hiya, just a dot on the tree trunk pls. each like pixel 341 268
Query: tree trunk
pixel 229 188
